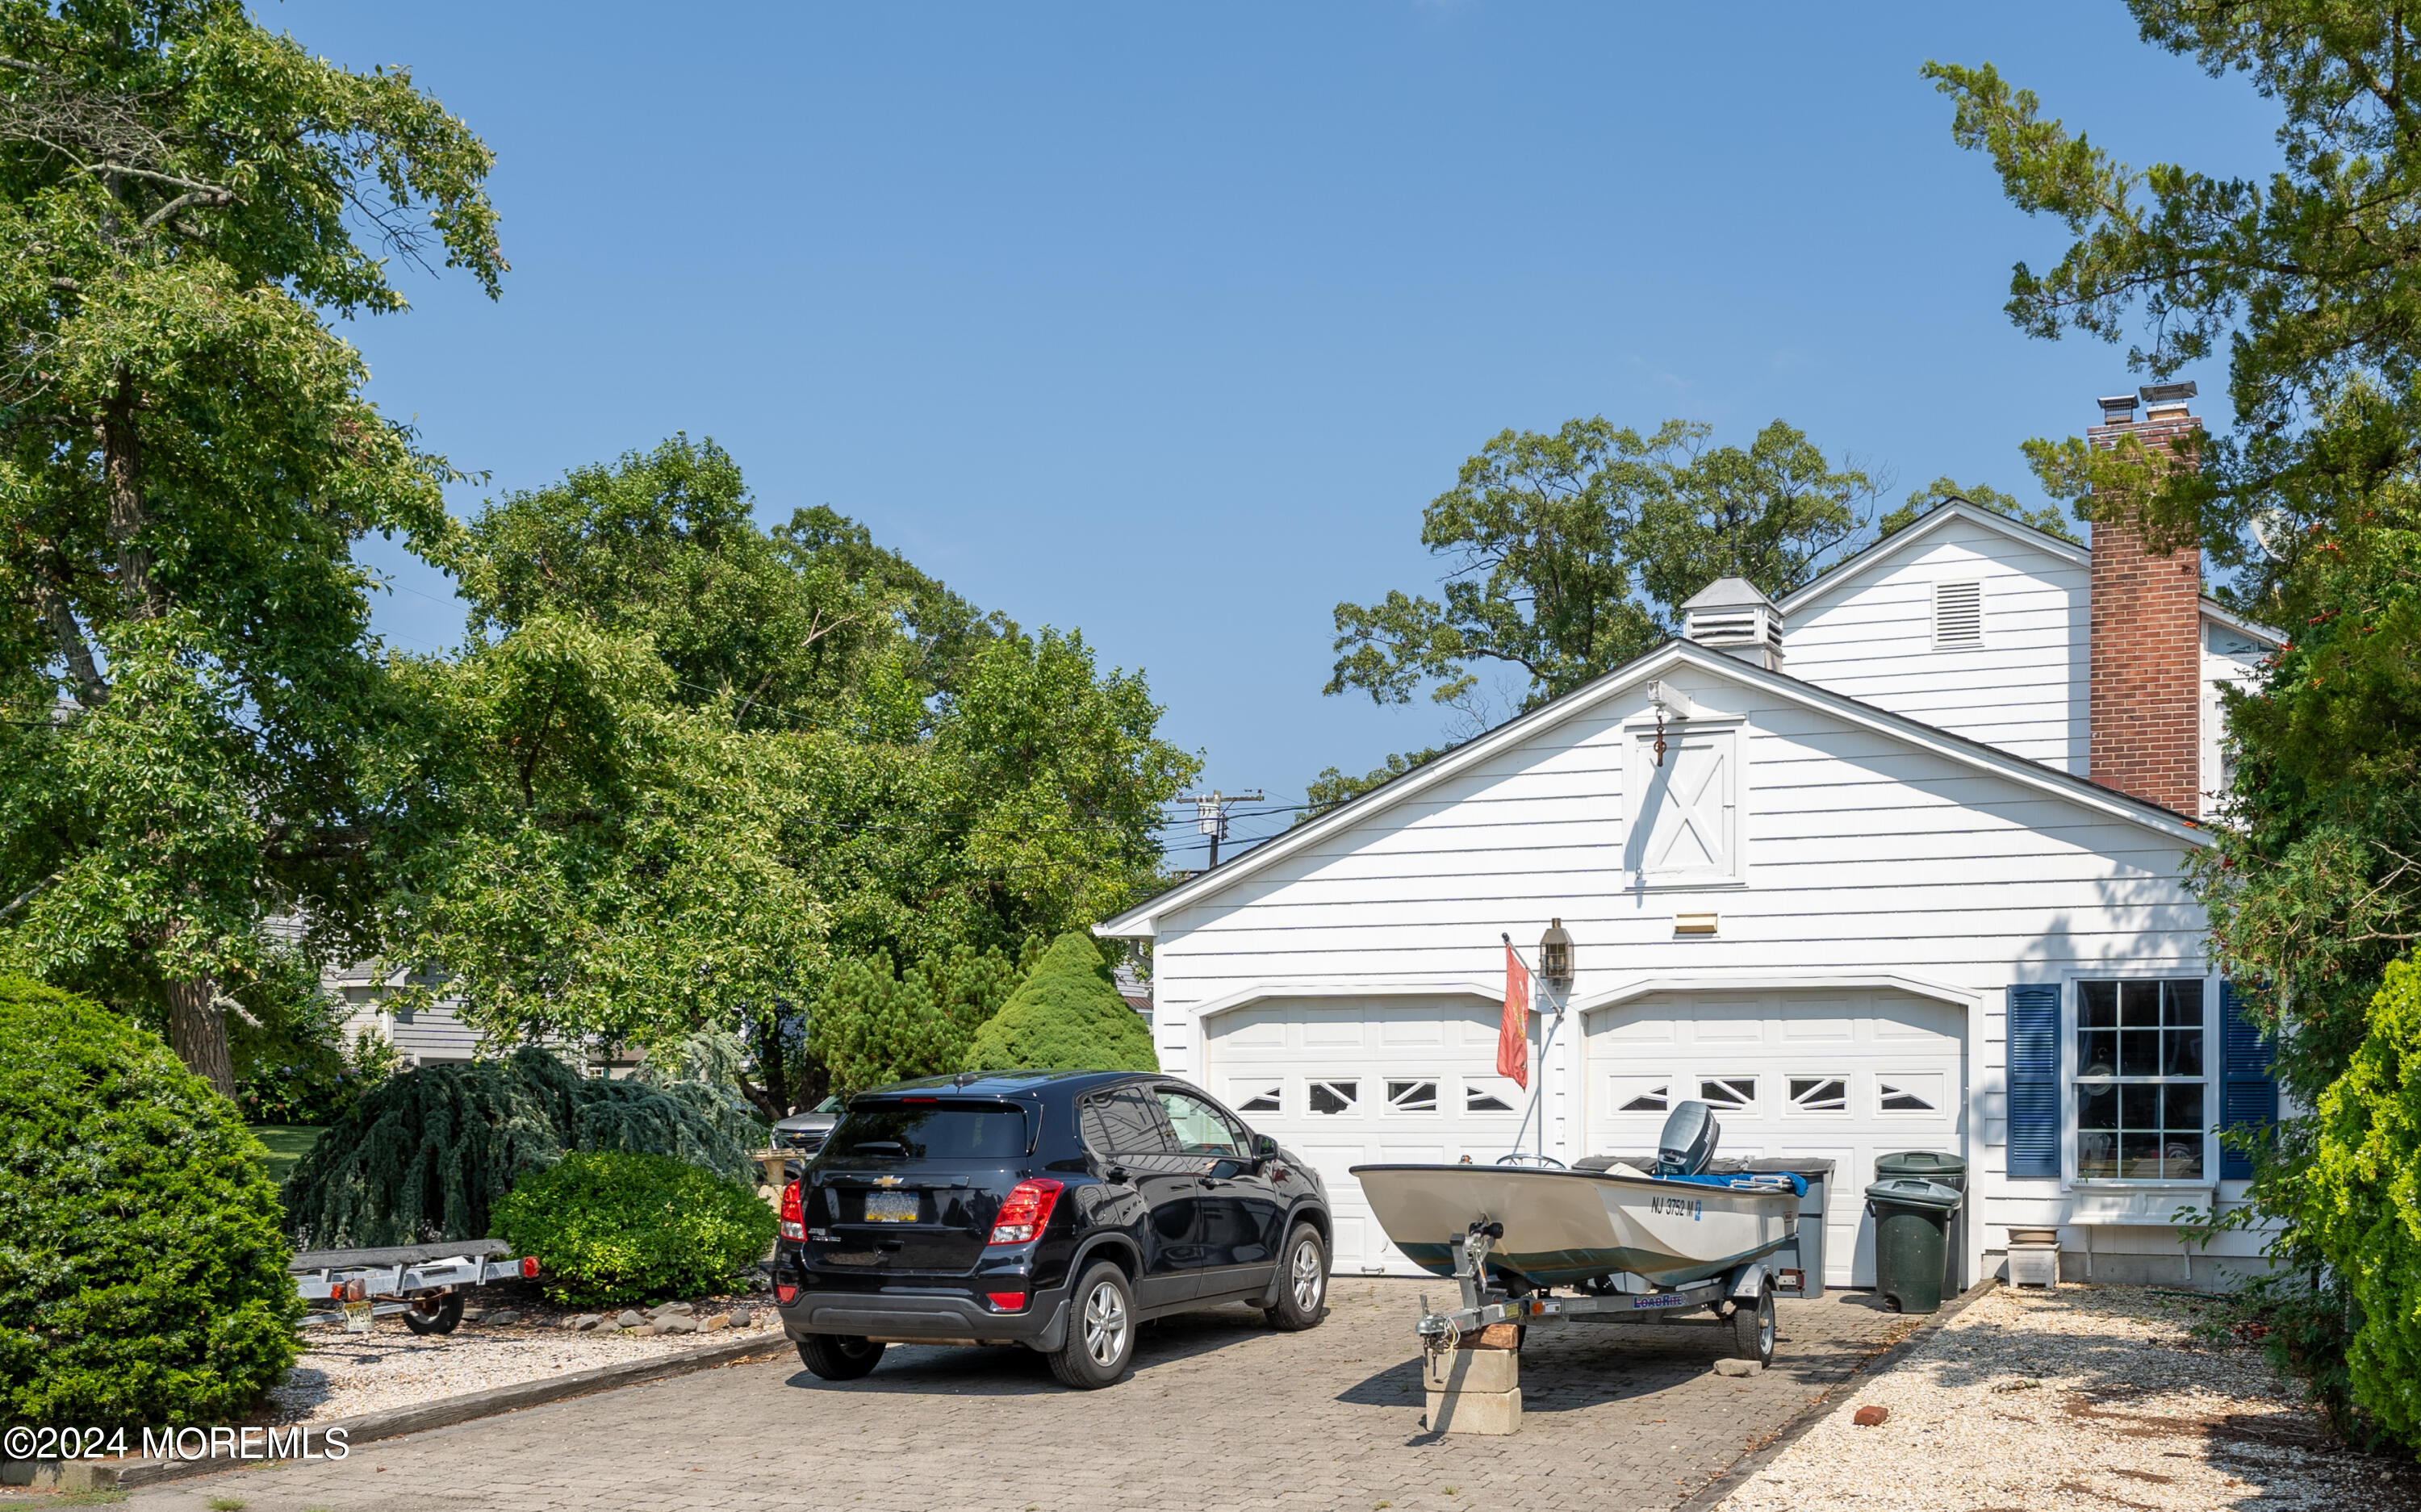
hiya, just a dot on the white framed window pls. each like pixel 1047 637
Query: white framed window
pixel 1684 825
pixel 1957 615
pixel 1642 1094
pixel 1817 1094
pixel 1727 1094
pixel 1485 1096
pixel 1909 1092
pixel 1331 1097
pixel 1258 1096
pixel 2141 1088
pixel 1414 1095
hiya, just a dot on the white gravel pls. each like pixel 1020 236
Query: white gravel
pixel 341 1374
pixel 2089 1396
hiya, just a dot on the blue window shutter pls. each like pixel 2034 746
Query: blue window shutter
pixel 2247 1096
pixel 2034 1080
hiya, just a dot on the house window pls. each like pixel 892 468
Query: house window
pixel 1819 1094
pixel 2139 1081
pixel 1957 615
pixel 1728 1094
pixel 1260 1098
pixel 1330 1098
pixel 1412 1097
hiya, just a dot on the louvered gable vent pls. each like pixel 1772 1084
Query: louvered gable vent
pixel 1958 614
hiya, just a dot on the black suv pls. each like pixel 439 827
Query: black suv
pixel 1056 1209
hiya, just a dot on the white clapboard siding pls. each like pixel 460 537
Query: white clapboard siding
pixel 1869 858
pixel 1869 632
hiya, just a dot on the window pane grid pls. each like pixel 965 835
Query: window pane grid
pixel 2139 1085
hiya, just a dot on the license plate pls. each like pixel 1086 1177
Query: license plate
pixel 891 1207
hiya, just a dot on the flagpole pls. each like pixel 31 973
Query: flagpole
pixel 1539 1086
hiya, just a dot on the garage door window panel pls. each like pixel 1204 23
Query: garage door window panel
pixel 1258 1097
pixel 1727 1094
pixel 1413 1097
pixel 1818 1094
pixel 1485 1097
pixel 1642 1094
pixel 2140 1089
pixel 1331 1099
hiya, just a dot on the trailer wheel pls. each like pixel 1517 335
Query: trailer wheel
pixel 1753 1328
pixel 433 1315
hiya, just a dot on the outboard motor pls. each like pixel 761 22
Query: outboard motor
pixel 1687 1141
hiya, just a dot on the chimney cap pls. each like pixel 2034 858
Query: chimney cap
pixel 2166 393
pixel 1727 593
pixel 2117 408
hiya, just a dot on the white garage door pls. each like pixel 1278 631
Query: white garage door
pixel 1349 1082
pixel 1838 1076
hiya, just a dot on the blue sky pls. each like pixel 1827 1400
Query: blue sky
pixel 1165 322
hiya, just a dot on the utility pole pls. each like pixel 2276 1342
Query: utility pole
pixel 1210 814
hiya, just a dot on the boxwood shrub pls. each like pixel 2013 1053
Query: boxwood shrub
pixel 612 1228
pixel 142 1268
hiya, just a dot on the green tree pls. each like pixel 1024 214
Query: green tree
pixel 1067 1015
pixel 872 1026
pixel 185 460
pixel 2311 279
pixel 1943 490
pixel 600 862
pixel 1575 550
pixel 1334 787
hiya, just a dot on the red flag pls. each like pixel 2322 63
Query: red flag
pixel 1513 1035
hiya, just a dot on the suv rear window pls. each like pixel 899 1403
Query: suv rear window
pixel 917 1131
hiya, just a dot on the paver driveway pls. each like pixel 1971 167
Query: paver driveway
pixel 1219 1414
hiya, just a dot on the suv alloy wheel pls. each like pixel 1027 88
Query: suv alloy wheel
pixel 1303 1281
pixel 1101 1330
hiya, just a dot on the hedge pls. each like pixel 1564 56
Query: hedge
pixel 142 1268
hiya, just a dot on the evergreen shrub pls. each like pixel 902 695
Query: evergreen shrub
pixel 610 1229
pixel 873 1026
pixel 142 1268
pixel 1066 1016
pixel 2362 1205
pixel 428 1155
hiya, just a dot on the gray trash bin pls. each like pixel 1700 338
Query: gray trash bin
pixel 1932 1165
pixel 1911 1236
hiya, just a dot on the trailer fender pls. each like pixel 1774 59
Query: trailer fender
pixel 1748 1282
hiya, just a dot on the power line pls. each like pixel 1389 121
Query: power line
pixel 1211 814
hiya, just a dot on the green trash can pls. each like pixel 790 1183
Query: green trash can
pixel 1911 1238
pixel 1932 1165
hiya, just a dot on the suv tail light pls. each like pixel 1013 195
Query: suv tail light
pixel 1006 1302
pixel 794 1215
pixel 1026 1211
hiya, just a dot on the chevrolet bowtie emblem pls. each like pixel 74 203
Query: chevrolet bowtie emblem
pixel 886 1181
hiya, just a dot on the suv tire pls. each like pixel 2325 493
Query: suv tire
pixel 838 1356
pixel 1101 1330
pixel 1303 1282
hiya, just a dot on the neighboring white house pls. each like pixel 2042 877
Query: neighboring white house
pixel 1840 870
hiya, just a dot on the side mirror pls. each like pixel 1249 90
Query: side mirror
pixel 1264 1148
pixel 792 1170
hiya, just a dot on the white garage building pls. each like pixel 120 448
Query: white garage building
pixel 1822 876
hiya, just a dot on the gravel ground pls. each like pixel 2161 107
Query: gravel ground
pixel 2089 1396
pixel 340 1374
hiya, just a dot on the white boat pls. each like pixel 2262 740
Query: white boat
pixel 1566 1226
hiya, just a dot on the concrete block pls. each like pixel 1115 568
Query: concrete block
pixel 1471 1370
pixel 1496 1412
pixel 1738 1367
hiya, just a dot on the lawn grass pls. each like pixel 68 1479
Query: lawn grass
pixel 287 1143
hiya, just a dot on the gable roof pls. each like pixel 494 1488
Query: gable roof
pixel 2212 609
pixel 1931 524
pixel 1137 922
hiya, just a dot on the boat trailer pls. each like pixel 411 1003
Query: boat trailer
pixel 1742 1301
pixel 424 1280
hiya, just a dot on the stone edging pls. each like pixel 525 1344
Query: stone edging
pixel 395 1422
pixel 1716 1492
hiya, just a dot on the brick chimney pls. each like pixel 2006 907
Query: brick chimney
pixel 2147 627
